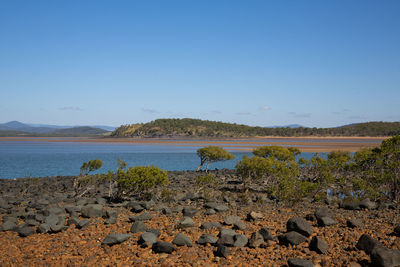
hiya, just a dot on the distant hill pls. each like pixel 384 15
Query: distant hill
pixel 204 128
pixel 83 130
pixel 15 128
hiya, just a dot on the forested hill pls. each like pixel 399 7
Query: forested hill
pixel 204 128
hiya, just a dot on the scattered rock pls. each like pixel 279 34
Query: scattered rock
pixel 256 240
pixel 240 241
pixel 354 223
pixel 112 216
pixel 24 230
pixel 186 222
pixel 182 240
pixel 396 230
pixel 206 238
pixel 147 239
pixel 211 225
pixel 138 227
pixel 300 263
pixel 299 225
pixel 266 234
pixel 146 216
pixel 322 212
pixel 367 243
pixel 223 251
pixel 227 232
pixel 8 225
pixel 253 216
pixel 385 257
pixel 326 221
pixel 43 228
pixel 189 212
pixel 163 247
pixel 92 211
pixel 293 238
pixel 115 238
pixel 226 240
pixel 318 245
pixel 368 204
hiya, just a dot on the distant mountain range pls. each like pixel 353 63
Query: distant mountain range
pixel 16 128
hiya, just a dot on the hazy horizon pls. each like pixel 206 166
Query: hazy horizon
pixel 259 63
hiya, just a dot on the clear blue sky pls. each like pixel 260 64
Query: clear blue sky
pixel 315 63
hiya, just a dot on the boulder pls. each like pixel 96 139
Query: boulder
pixel 293 238
pixel 385 257
pixel 226 240
pixel 227 232
pixel 319 245
pixel 206 239
pixel 163 247
pixel 368 204
pixel 322 212
pixel 367 243
pixel 182 240
pixel 256 240
pixel 138 227
pixel 147 239
pixel 8 226
pixel 300 263
pixel 266 234
pixel 326 221
pixel 43 228
pixel 189 212
pixel 254 216
pixel 299 225
pixel 354 223
pixel 146 216
pixel 24 230
pixel 115 238
pixel 222 251
pixel 240 240
pixel 186 222
pixel 92 211
pixel 211 225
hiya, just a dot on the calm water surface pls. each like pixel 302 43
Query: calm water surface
pixel 40 158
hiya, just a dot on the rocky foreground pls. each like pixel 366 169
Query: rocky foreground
pixel 42 223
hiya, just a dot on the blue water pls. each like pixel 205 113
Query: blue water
pixel 40 159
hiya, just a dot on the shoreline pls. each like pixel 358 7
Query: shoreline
pixel 305 144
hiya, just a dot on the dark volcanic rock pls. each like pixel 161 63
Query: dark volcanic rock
pixel 240 240
pixel 8 226
pixel 256 240
pixel 186 222
pixel 138 227
pixel 227 232
pixel 182 240
pixel 226 240
pixel 205 238
pixel 211 225
pixel 322 212
pixel 112 216
pixel 385 257
pixel 24 230
pixel 368 204
pixel 318 245
pixel 223 251
pixel 354 223
pixel 326 221
pixel 350 205
pixel 92 211
pixel 367 243
pixel 163 247
pixel 147 239
pixel 266 234
pixel 396 230
pixel 115 238
pixel 293 238
pixel 154 231
pixel 43 228
pixel 299 225
pixel 142 217
pixel 189 212
pixel 300 263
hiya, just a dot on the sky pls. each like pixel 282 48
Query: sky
pixel 314 63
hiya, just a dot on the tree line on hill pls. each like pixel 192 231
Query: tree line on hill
pixel 205 128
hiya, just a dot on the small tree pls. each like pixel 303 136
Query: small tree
pixel 212 154
pixel 84 182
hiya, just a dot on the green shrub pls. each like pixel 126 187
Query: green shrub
pixel 140 179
